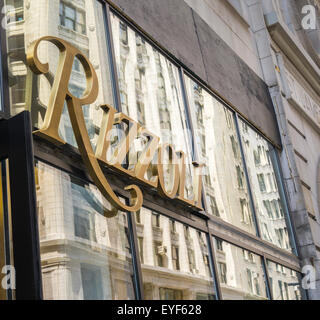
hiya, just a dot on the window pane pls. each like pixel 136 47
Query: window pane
pixel 150 91
pixel 93 45
pixel 18 91
pixel 81 17
pixel 70 24
pixel 269 207
pixel 15 11
pixel 285 283
pixel 175 260
pixel 70 12
pixel 240 272
pixel 84 255
pixel 224 178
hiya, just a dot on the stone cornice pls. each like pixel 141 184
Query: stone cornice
pixel 292 48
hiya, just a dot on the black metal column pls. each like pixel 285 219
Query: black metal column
pixel 25 235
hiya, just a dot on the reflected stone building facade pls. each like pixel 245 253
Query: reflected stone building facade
pixel 200 81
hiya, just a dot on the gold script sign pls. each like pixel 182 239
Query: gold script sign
pixel 60 94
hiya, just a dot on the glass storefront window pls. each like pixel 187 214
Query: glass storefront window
pixel 240 272
pixel 81 23
pixel 269 207
pixel 84 255
pixel 174 259
pixel 284 282
pixel 224 179
pixel 150 92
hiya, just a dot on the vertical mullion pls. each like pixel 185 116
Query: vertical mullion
pixel 190 126
pixel 6 216
pixel 191 131
pixel 267 279
pixel 135 256
pixel 112 59
pixel 244 163
pixel 213 262
pixel 283 197
pixel 11 292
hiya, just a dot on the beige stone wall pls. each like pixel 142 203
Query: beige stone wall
pixel 232 26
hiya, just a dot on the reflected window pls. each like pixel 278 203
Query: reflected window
pixel 140 244
pixel 222 272
pixel 285 283
pixel 91 282
pixel 175 261
pixel 15 11
pixel 84 224
pixel 170 294
pixel 18 91
pixel 15 46
pixel 266 197
pixel 175 258
pixel 156 220
pixel 240 272
pixel 219 244
pixel 204 296
pixel 159 253
pixel 72 18
pixel 84 255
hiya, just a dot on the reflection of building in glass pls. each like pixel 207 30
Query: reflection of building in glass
pixel 16 53
pixel 69 20
pixel 174 257
pixel 284 283
pixel 88 255
pixel 224 173
pixel 269 207
pixel 150 91
pixel 240 271
pixel 242 277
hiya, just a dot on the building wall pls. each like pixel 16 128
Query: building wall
pixel 231 21
pixel 290 66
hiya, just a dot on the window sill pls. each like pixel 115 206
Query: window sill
pixel 70 31
pixel 14 23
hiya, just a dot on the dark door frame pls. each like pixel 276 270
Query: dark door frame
pixel 16 145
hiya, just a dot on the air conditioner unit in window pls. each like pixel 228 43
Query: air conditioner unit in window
pixel 162 250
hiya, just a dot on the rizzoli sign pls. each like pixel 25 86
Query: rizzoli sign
pixel 60 94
